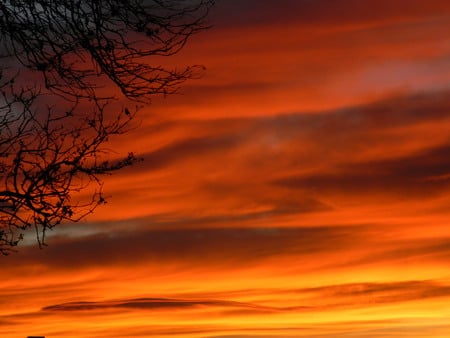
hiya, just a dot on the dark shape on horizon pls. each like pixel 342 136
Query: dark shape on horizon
pixel 54 118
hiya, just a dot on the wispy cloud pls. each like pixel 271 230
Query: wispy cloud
pixel 154 303
pixel 213 247
pixel 356 295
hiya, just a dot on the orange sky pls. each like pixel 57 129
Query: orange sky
pixel 299 189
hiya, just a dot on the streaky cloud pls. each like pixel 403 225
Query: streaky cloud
pixel 153 303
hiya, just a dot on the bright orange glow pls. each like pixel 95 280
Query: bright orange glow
pixel 299 189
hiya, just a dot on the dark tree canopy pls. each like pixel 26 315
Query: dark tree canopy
pixel 55 56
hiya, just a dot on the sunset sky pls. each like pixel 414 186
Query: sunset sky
pixel 300 188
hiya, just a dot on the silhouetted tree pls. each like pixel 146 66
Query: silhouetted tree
pixel 62 52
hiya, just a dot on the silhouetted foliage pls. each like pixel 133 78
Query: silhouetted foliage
pixel 62 51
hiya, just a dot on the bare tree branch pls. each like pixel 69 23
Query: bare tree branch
pixel 50 154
